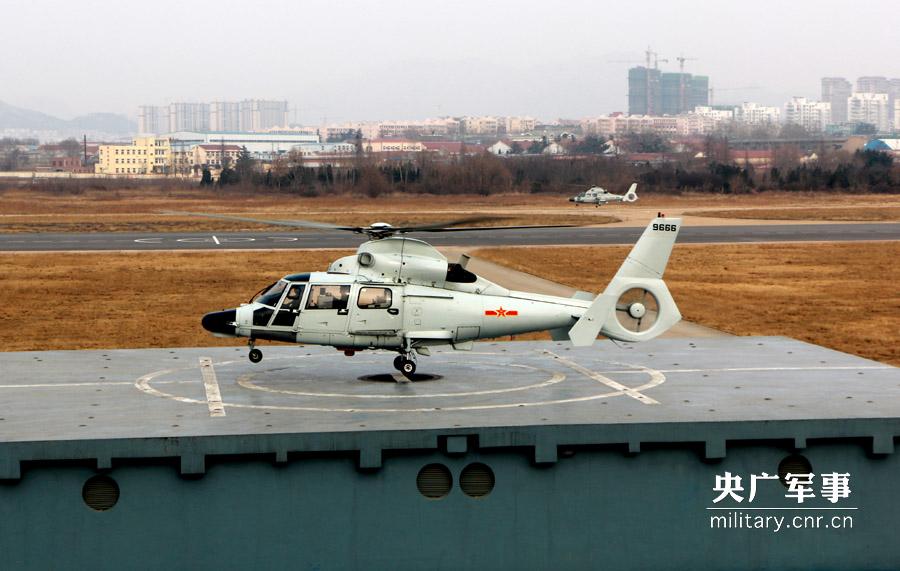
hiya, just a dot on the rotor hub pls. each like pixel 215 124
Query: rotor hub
pixel 637 310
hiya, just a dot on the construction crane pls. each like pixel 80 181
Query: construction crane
pixel 650 56
pixel 682 105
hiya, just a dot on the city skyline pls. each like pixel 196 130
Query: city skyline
pixel 355 61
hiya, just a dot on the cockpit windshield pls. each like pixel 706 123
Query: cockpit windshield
pixel 270 294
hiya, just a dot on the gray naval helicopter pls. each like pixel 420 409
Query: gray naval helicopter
pixel 400 294
pixel 600 196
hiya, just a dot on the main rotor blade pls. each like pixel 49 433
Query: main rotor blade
pixel 291 223
pixel 480 228
pixel 446 224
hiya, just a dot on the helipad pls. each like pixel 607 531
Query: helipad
pixel 516 455
pixel 626 395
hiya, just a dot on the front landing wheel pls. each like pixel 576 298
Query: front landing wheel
pixel 255 355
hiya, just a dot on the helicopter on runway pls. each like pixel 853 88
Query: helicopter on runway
pixel 400 294
pixel 600 196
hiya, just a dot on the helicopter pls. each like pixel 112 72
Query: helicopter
pixel 400 294
pixel 600 196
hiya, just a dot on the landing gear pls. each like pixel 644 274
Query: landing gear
pixel 405 365
pixel 408 368
pixel 255 354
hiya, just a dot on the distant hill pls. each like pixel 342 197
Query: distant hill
pixel 106 122
pixel 17 118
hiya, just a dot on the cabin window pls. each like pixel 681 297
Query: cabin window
pixel 460 275
pixel 374 298
pixel 272 294
pixel 328 297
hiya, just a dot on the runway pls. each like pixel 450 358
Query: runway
pixel 39 242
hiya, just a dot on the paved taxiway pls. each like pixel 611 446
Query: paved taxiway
pixel 531 237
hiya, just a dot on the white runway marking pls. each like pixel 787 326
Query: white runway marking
pixel 143 384
pixel 85 384
pixel 633 393
pixel 216 240
pixel 246 381
pixel 213 396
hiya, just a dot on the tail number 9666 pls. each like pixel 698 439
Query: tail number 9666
pixel 666 227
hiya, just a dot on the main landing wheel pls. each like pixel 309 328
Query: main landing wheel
pixel 255 355
pixel 398 362
pixel 408 368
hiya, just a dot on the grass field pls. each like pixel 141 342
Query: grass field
pixel 843 296
pixel 885 213
pixel 139 210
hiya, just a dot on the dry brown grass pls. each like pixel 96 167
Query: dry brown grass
pixel 843 296
pixel 144 299
pixel 138 210
pixel 163 223
pixel 834 214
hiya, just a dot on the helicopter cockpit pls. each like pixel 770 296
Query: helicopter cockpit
pixel 270 294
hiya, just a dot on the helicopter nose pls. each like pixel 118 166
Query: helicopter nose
pixel 220 322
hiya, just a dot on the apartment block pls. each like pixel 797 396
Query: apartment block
pixel 836 90
pixel 754 114
pixel 153 120
pixel 224 116
pixel 188 117
pixel 262 115
pixel 811 115
pixel 872 108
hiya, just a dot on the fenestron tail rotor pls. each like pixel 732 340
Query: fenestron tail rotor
pixel 637 309
pixel 378 230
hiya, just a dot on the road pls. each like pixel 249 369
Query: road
pixel 538 236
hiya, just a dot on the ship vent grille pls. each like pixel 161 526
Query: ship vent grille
pixel 100 493
pixel 434 481
pixel 476 480
pixel 793 464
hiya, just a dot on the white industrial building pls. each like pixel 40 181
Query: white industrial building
pixel 260 145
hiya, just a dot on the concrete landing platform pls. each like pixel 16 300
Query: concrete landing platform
pixel 191 403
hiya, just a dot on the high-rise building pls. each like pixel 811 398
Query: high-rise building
pixel 699 91
pixel 224 116
pixel 262 115
pixel 643 91
pixel 153 120
pixel 836 90
pixel 873 84
pixel 811 115
pixel 188 117
pixel 682 92
pixel 872 108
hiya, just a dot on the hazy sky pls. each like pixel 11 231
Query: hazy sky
pixel 413 59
